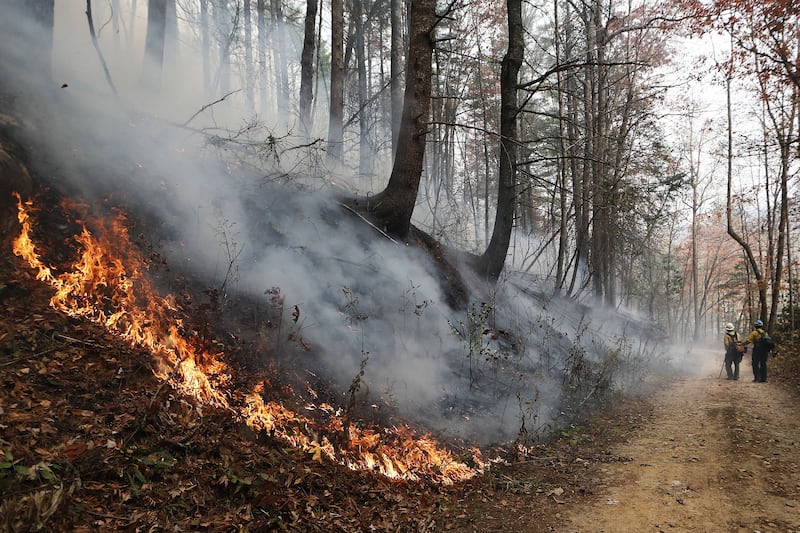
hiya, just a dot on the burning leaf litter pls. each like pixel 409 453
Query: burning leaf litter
pixel 108 285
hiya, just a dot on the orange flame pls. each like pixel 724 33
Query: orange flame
pixel 107 285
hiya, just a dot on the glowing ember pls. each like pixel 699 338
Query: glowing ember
pixel 107 285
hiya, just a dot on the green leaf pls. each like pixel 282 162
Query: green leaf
pixel 45 472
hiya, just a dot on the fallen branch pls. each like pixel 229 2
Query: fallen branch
pixel 26 357
pixel 97 48
pixel 71 339
pixel 376 228
pixel 215 102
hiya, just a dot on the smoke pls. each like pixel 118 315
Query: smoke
pixel 253 216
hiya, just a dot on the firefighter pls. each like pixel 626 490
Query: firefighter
pixel 760 351
pixel 733 351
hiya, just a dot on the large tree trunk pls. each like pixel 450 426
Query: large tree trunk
pixel 307 66
pixel 205 48
pixel 493 259
pixel 261 11
pixel 335 124
pixel 396 69
pixel 392 208
pixel 15 179
pixel 223 23
pixel 154 43
pixel 281 62
pixel 364 147
pixel 36 45
pixel 760 281
pixel 249 76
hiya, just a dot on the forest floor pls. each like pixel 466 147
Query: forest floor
pixel 716 455
pixel 708 454
pixel 90 440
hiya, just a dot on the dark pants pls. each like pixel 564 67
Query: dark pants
pixel 760 366
pixel 732 359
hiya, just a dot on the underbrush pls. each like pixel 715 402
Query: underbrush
pixel 786 364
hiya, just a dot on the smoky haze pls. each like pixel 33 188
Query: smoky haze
pixel 236 215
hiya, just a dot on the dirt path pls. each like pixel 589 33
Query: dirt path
pixel 718 456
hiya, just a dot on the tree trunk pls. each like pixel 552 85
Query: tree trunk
pixel 38 45
pixel 335 124
pixel 307 66
pixel 223 20
pixel 261 10
pixel 392 208
pixel 396 69
pixel 154 43
pixel 115 12
pixel 205 48
pixel 760 281
pixel 561 165
pixel 364 148
pixel 281 61
pixel 493 259
pixel 249 76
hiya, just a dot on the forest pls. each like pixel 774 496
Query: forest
pixel 395 238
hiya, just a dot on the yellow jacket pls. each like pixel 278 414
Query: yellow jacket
pixel 729 338
pixel 755 336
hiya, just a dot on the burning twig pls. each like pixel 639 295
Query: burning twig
pixel 71 339
pixel 351 404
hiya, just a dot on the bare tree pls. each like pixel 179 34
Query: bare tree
pixel 493 259
pixel 154 43
pixel 261 12
pixel 364 148
pixel 281 61
pixel 392 208
pixel 205 47
pixel 336 110
pixel 396 68
pixel 307 65
pixel 249 75
pixel 38 43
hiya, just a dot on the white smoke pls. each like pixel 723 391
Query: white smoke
pixel 481 373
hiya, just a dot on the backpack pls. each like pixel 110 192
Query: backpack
pixel 735 346
pixel 766 343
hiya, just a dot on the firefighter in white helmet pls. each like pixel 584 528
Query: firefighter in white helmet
pixel 734 350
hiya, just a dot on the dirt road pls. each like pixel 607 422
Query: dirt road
pixel 719 456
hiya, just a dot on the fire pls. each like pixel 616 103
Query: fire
pixel 108 285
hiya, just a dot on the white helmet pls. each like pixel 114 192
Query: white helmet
pixel 729 327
